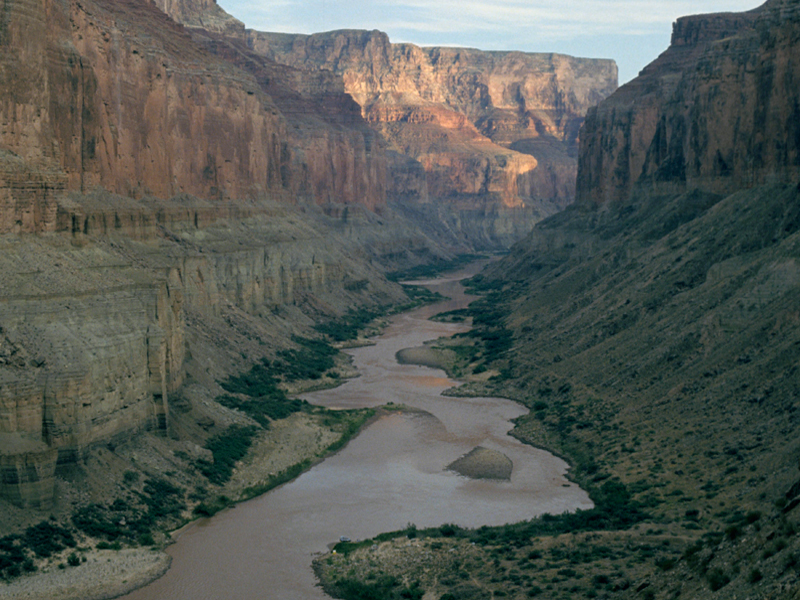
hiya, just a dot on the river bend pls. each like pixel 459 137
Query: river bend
pixel 391 475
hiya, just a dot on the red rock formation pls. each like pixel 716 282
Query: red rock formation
pixel 488 130
pixel 718 111
pixel 116 94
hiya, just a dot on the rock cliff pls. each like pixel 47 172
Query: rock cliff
pixel 471 131
pixel 101 319
pixel 120 96
pixel 147 172
pixel 718 111
pixel 653 326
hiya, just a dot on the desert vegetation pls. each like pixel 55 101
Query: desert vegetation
pixel 660 369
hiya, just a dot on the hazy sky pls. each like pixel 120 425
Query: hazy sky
pixel 632 32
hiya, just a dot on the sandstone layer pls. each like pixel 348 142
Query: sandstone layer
pixel 145 174
pixel 469 131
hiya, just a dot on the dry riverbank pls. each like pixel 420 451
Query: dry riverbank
pixel 105 574
pixel 290 446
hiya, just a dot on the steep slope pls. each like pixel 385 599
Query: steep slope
pixel 661 312
pixel 152 181
pixel 653 330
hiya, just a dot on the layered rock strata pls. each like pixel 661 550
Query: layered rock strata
pixel 469 130
pixel 718 111
pixel 120 96
pixel 99 320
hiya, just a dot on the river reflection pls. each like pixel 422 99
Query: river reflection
pixel 392 474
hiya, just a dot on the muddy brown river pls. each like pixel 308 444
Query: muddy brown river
pixel 392 474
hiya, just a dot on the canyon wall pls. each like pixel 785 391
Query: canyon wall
pixel 491 136
pixel 718 111
pixel 100 319
pixel 145 175
pixel 120 96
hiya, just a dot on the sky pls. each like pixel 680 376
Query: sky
pixel 632 32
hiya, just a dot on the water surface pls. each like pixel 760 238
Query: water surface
pixel 391 475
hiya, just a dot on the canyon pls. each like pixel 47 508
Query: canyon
pixel 183 199
pixel 488 132
pixel 173 188
pixel 652 329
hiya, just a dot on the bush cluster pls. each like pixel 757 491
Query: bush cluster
pixel 266 401
pixel 434 268
pixel 347 326
pixel 41 541
pixel 227 448
pixel 132 522
pixel 386 587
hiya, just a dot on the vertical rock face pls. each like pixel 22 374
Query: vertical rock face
pixel 469 129
pixel 124 99
pixel 718 111
pixel 89 349
pixel 117 96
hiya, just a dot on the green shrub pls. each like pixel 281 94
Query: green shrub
pixel 383 589
pixel 433 269
pixel 209 509
pixel 227 448
pixel 448 530
pixel 347 326
pixel 534 591
pixel 94 521
pixel 162 499
pixel 47 538
pixel 755 576
pixel 717 579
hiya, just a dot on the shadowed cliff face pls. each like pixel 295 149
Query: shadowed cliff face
pixel 718 111
pixel 100 320
pixel 655 321
pixel 469 130
pixel 118 95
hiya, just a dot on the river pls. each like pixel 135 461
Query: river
pixel 391 475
